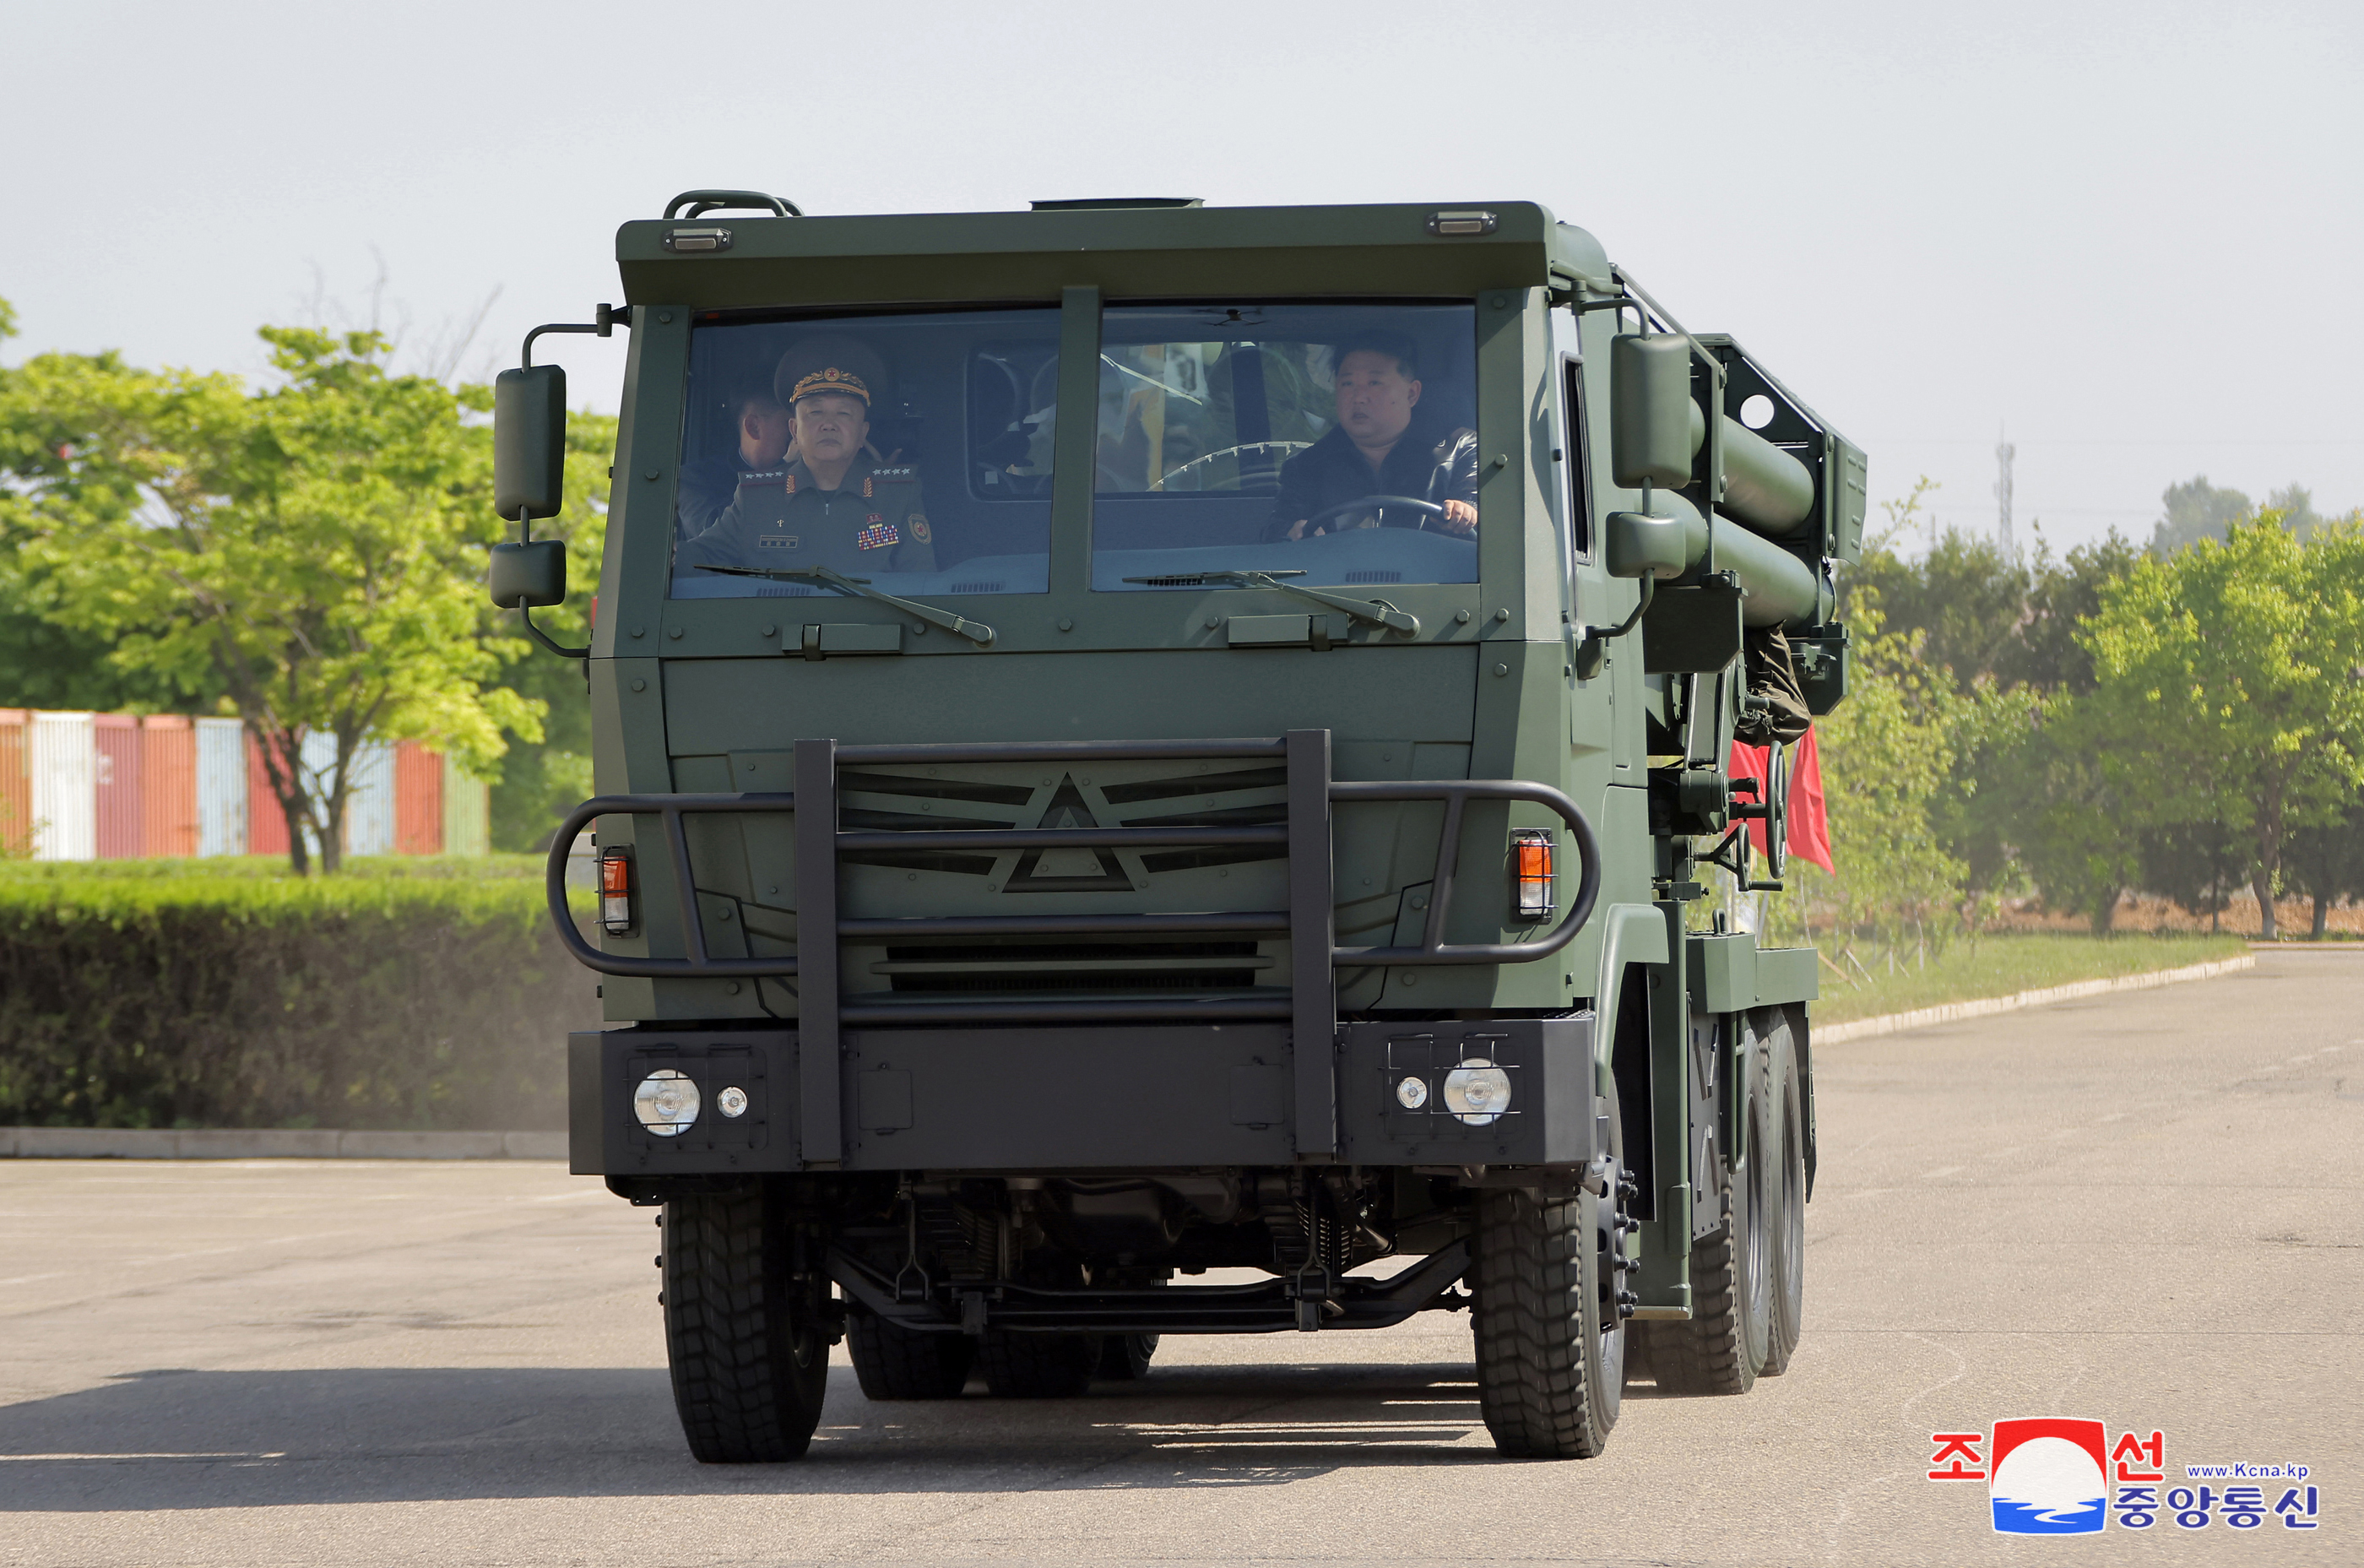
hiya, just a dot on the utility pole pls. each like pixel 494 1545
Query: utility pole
pixel 2004 453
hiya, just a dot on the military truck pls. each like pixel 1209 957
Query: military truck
pixel 1067 877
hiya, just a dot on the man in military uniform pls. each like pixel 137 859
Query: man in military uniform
pixel 710 484
pixel 831 505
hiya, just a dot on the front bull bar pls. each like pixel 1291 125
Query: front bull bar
pixel 1309 921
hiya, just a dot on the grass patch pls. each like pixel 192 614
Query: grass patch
pixel 2001 965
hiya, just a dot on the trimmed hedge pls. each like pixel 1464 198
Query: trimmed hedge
pixel 414 993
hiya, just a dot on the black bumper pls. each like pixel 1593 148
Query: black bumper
pixel 1082 1098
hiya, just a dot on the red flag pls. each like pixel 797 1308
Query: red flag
pixel 1810 822
pixel 1809 830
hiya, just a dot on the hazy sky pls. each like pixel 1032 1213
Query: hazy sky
pixel 2131 234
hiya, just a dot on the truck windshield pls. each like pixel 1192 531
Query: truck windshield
pixel 1337 441
pixel 912 451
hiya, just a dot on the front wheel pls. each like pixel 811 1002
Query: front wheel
pixel 1551 1340
pixel 750 1364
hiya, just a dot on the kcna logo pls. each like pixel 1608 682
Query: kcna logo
pixel 2047 1475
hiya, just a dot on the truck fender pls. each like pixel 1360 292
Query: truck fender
pixel 1631 933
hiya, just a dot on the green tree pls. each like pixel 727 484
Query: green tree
pixel 2325 861
pixel 2043 653
pixel 2197 509
pixel 312 552
pixel 1887 753
pixel 2228 687
pixel 43 664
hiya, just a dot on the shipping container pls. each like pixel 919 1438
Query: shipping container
pixel 369 797
pixel 418 799
pixel 221 786
pixel 15 789
pixel 168 786
pixel 467 812
pixel 114 790
pixel 61 757
pixel 266 823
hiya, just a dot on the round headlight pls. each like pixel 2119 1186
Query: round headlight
pixel 732 1102
pixel 666 1102
pixel 1412 1093
pixel 1477 1092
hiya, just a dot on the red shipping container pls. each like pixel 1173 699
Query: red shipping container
pixel 15 786
pixel 418 799
pixel 118 794
pixel 266 824
pixel 168 779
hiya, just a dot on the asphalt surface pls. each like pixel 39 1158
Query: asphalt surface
pixel 2140 1208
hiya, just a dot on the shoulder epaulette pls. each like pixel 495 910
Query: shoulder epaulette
pixel 904 475
pixel 761 475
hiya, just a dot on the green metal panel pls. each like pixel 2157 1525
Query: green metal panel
pixel 1723 972
pixel 1787 974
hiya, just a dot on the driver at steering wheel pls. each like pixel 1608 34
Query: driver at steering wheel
pixel 1382 445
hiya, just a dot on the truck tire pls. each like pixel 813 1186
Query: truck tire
pixel 1785 1185
pixel 1549 1378
pixel 1124 1357
pixel 1037 1366
pixel 749 1367
pixel 891 1361
pixel 1722 1346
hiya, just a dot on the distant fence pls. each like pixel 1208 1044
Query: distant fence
pixel 126 786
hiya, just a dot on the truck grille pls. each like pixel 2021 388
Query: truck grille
pixel 1074 966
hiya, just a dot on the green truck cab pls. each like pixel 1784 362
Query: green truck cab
pixel 1137 740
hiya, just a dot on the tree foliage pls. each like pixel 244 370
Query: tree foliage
pixel 2228 687
pixel 311 553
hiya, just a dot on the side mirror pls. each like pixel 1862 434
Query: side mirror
pixel 1635 544
pixel 530 443
pixel 1651 410
pixel 528 575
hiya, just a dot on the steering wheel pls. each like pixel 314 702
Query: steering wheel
pixel 1278 448
pixel 1426 508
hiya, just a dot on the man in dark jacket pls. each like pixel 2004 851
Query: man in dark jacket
pixel 1382 445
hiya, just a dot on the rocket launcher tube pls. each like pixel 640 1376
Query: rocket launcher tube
pixel 1764 486
pixel 1775 588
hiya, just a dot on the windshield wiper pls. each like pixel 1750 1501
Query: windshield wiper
pixel 1371 611
pixel 976 631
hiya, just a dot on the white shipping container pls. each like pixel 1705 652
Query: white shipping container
pixel 221 786
pixel 369 809
pixel 61 756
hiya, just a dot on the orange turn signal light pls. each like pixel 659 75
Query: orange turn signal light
pixel 616 891
pixel 1531 849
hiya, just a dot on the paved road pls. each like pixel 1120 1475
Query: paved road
pixel 2142 1209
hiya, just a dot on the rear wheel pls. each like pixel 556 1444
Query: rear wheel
pixel 1037 1366
pixel 1551 1340
pixel 1124 1357
pixel 1720 1351
pixel 750 1364
pixel 1786 1185
pixel 895 1363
